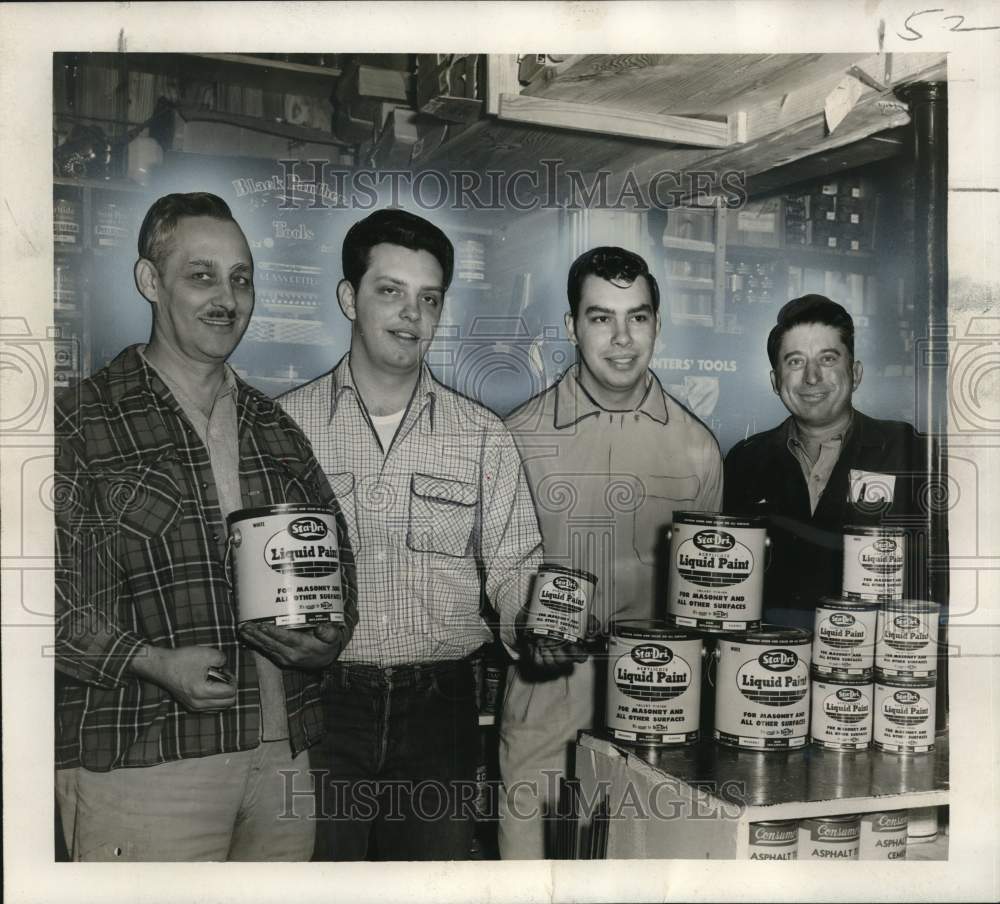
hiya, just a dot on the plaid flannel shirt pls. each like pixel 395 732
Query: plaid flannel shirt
pixel 141 559
pixel 445 515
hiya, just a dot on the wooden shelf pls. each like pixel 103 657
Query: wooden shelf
pixel 100 184
pixel 698 283
pixel 694 245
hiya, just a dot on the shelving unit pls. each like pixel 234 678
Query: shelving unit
pixel 713 793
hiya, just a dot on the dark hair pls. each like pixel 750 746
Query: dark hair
pixel 394 227
pixel 810 309
pixel 612 264
pixel 161 220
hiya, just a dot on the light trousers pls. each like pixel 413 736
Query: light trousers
pixel 231 806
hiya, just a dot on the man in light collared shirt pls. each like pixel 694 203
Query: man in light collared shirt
pixel 439 514
pixel 610 457
pixel 829 466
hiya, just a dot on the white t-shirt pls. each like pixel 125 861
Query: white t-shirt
pixel 385 426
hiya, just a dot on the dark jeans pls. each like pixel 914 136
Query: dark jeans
pixel 396 772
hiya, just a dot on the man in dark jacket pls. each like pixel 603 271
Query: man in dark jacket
pixel 828 466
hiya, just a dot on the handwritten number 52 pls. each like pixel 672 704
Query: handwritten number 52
pixel 959 20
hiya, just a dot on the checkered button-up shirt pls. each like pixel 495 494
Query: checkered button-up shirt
pixel 446 505
pixel 141 549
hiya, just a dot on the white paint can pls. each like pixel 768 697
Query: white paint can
pixel 841 711
pixel 874 563
pixel 883 835
pixel 829 838
pixel 285 563
pixel 906 639
pixel 654 683
pixel 844 636
pixel 716 571
pixel 762 688
pixel 904 714
pixel 776 839
pixel 560 602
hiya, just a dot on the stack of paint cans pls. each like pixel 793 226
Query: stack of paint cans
pixel 843 657
pixel 905 650
pixel 760 673
pixel 906 676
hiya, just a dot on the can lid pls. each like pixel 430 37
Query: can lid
pixel 777 823
pixel 864 679
pixel 649 629
pixel 834 602
pixel 846 817
pixel 771 636
pixel 867 530
pixel 922 606
pixel 285 508
pixel 718 519
pixel 922 681
pixel 562 569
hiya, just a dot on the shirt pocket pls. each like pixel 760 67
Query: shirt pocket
pixel 142 501
pixel 442 515
pixel 663 496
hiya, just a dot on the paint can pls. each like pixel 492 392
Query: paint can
pixel 841 711
pixel 284 562
pixel 716 571
pixel 904 714
pixel 829 838
pixel 560 602
pixel 874 562
pixel 906 638
pixel 883 835
pixel 844 636
pixel 653 683
pixel 762 688
pixel 776 839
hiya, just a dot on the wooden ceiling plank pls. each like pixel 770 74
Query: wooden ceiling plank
pixel 612 121
pixel 501 78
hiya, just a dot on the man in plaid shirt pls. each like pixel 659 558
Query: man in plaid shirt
pixel 439 514
pixel 170 734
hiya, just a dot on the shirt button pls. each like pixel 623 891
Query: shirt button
pixel 204 484
pixel 215 537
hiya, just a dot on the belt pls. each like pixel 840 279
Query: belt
pixel 367 675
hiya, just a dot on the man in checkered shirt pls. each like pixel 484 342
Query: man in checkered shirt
pixel 173 740
pixel 439 515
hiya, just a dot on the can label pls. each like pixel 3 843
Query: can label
pixel 762 697
pixel 873 565
pixel 904 715
pixel 654 687
pixel 844 639
pixel 906 639
pixel 716 573
pixel 774 840
pixel 883 836
pixel 560 603
pixel 286 564
pixel 65 225
pixel 829 839
pixel 841 714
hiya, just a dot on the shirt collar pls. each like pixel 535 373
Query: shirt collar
pixel 424 394
pixel 574 403
pixel 794 438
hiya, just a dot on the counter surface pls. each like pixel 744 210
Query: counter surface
pixel 753 778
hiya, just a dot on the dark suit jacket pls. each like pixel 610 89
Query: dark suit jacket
pixel 762 477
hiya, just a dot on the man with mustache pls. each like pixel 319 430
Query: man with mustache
pixel 828 466
pixel 172 737
pixel 441 518
pixel 610 457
